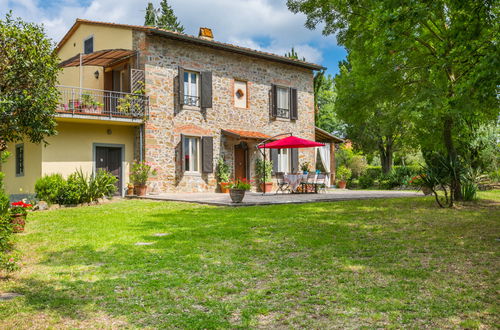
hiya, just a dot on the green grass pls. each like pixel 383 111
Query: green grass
pixel 373 263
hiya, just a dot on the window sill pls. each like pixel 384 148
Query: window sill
pixel 191 107
pixel 192 173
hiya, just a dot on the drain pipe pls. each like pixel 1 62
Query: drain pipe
pixel 141 129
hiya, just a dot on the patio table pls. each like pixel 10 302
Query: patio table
pixel 295 180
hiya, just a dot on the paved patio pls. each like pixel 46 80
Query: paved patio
pixel 252 198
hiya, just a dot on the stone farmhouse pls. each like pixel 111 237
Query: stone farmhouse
pixel 177 101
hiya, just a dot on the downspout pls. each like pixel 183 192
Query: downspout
pixel 140 142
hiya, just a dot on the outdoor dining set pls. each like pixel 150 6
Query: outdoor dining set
pixel 301 183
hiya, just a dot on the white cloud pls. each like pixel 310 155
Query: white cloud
pixel 259 24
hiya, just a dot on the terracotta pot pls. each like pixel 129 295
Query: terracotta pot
pixel 130 191
pixel 18 221
pixel 224 187
pixel 266 187
pixel 426 190
pixel 237 195
pixel 342 184
pixel 140 190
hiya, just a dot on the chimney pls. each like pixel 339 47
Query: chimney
pixel 206 33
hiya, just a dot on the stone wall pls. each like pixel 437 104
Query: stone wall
pixel 161 57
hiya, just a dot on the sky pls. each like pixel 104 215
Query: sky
pixel 265 25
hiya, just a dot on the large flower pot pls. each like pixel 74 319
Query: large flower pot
pixel 266 187
pixel 140 190
pixel 18 221
pixel 224 187
pixel 130 191
pixel 237 195
pixel 342 184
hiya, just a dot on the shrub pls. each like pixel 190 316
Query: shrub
pixel 49 188
pixel 263 170
pixel 343 173
pixel 140 173
pixel 103 184
pixel 73 190
pixel 373 172
pixel 358 165
pixel 366 181
pixel 223 172
pixel 6 260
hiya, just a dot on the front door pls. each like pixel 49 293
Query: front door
pixel 110 159
pixel 240 163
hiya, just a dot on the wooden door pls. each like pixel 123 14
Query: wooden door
pixel 110 159
pixel 240 163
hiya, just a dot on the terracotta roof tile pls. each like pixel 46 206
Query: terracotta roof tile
pixel 247 134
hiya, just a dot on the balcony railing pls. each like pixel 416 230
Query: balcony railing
pixel 102 103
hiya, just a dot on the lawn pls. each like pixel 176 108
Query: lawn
pixel 377 263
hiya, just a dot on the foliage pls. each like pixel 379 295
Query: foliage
pixel 471 178
pixel 355 161
pixel 20 207
pixel 305 167
pixel 343 173
pixel 140 173
pixel 241 184
pixel 293 54
pixel 6 260
pixel 325 95
pixel 28 75
pixel 432 60
pixel 263 170
pixel 358 165
pixel 366 181
pixel 89 101
pixel 49 188
pixel 150 18
pixel 223 171
pixel 167 19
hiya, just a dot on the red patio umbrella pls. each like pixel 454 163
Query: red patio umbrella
pixel 291 142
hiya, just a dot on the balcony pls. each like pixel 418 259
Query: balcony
pixel 84 103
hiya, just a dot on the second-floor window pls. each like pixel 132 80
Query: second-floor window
pixel 283 105
pixel 192 88
pixel 88 45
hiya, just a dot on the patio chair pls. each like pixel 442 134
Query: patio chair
pixel 309 184
pixel 282 185
pixel 320 184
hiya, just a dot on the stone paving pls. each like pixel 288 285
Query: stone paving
pixel 253 198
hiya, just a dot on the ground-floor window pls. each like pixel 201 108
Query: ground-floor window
pixel 191 149
pixel 20 159
pixel 284 160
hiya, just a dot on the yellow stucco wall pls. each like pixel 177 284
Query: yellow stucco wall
pixel 32 169
pixel 105 37
pixel 71 149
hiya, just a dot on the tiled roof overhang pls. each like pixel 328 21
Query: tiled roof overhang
pixel 245 134
pixel 323 136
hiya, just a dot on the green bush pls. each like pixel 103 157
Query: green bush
pixel 6 260
pixel 366 181
pixel 49 188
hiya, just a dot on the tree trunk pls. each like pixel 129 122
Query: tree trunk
pixel 385 150
pixel 456 187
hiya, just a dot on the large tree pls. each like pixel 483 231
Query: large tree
pixel 28 75
pixel 446 52
pixel 150 17
pixel 167 19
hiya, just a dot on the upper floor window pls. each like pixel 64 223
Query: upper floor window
pixel 284 160
pixel 88 45
pixel 240 94
pixel 283 102
pixel 192 88
pixel 191 150
pixel 20 160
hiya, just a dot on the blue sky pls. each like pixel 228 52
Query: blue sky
pixel 259 24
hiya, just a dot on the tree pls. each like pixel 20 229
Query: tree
pixel 445 51
pixel 28 75
pixel 150 18
pixel 293 54
pixel 167 19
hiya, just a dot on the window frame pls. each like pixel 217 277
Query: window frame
pixel 187 97
pixel 85 40
pixel 19 158
pixel 279 111
pixel 280 160
pixel 187 151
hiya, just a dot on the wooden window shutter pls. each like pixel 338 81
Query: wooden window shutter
pixel 206 89
pixel 181 86
pixel 295 160
pixel 207 149
pixel 274 101
pixel 274 159
pixel 293 104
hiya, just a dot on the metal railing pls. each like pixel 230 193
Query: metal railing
pixel 283 113
pixel 95 102
pixel 192 100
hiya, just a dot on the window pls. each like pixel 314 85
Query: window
pixel 191 150
pixel 20 160
pixel 192 88
pixel 283 102
pixel 240 94
pixel 88 45
pixel 284 160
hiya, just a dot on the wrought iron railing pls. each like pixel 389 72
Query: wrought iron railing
pixel 192 100
pixel 283 113
pixel 95 102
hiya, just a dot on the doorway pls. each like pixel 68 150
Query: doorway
pixel 240 161
pixel 110 159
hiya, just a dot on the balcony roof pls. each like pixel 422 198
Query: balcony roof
pixel 323 136
pixel 196 40
pixel 104 58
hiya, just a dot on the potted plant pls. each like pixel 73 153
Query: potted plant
pixel 237 189
pixel 130 189
pixel 223 174
pixel 419 181
pixel 343 174
pixel 139 176
pixel 18 214
pixel 89 104
pixel 263 172
pixel 305 167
